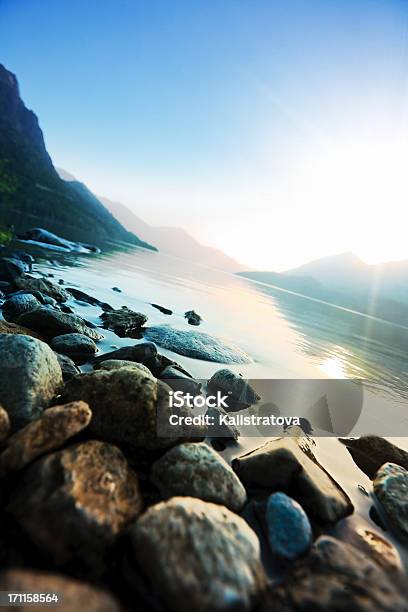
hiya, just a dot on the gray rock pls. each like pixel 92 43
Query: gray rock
pixel 35 373
pixel 51 323
pixel 139 353
pixel 196 470
pixel 74 503
pixel 197 345
pixel 68 367
pixel 288 464
pixel 192 317
pixel 371 452
pixel 241 394
pixel 289 529
pixel 116 364
pixel 332 578
pixel 18 305
pixel 224 431
pixel 43 285
pixel 125 323
pixel 198 556
pixel 391 488
pixel 74 345
pixel 11 268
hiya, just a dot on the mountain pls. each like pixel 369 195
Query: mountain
pixel 31 191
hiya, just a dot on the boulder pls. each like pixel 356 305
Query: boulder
pixel 35 373
pixel 68 367
pixel 18 305
pixel 198 556
pixel 77 346
pixel 51 323
pixel 391 489
pixel 43 285
pixel 241 394
pixel 371 452
pixel 116 364
pixel 125 323
pixel 289 465
pixel 11 328
pixel 196 470
pixel 192 317
pixel 139 353
pixel 11 268
pixel 289 530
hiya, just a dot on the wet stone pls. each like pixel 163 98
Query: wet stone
pixel 76 346
pixel 289 529
pixel 371 452
pixel 51 323
pixel 391 489
pixel 125 323
pixel 18 305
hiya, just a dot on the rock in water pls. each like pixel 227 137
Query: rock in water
pixel 30 377
pixel 74 594
pixel 124 323
pixel 51 323
pixel 196 345
pixel 49 432
pixel 196 470
pixel 198 556
pixel 74 503
pixel 4 424
pixel 288 464
pixel 332 578
pixel 77 346
pixel 18 305
pixel 139 353
pixel 371 452
pixel 43 285
pixel 192 317
pixel 289 530
pixel 241 394
pixel 391 488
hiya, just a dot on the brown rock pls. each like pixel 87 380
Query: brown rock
pixel 288 464
pixel 73 594
pixel 371 452
pixel 74 503
pixel 198 556
pixel 124 322
pixel 49 432
pixel 4 424
pixel 11 328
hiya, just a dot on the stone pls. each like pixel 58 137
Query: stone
pixel 192 317
pixel 38 234
pixel 19 304
pixel 179 381
pixel 224 431
pixel 11 328
pixel 11 269
pixel 289 529
pixel 139 353
pixel 196 345
pixel 35 373
pixel 241 394
pixel 371 452
pixel 43 285
pixel 75 595
pixel 125 323
pixel 68 367
pixel 128 406
pixel 162 309
pixel 74 503
pixel 53 323
pixel 288 464
pixel 116 364
pixel 196 470
pixel 198 556
pixel 54 427
pixel 76 346
pixel 334 577
pixel 88 299
pixel 391 489
pixel 4 424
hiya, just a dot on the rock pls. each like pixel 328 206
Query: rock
pixel 198 556
pixel 162 309
pixel 128 406
pixel 139 353
pixel 4 424
pixel 116 364
pixel 88 299
pixel 391 488
pixel 335 577
pixel 35 373
pixel 117 289
pixel 53 323
pixel 49 432
pixel 74 594
pixel 38 234
pixel 24 257
pixel 42 285
pixel 18 305
pixel 68 367
pixel 241 394
pixel 371 452
pixel 124 323
pixel 11 269
pixel 76 346
pixel 11 328
pixel 179 381
pixel 196 470
pixel 192 317
pixel 289 530
pixel 196 345
pixel 158 363
pixel 224 431
pixel 74 503
pixel 288 464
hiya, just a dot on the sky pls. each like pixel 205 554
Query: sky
pixel 275 131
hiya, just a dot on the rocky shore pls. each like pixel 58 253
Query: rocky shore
pixel 100 508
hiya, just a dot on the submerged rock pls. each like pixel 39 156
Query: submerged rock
pixel 196 470
pixel 391 488
pixel 197 345
pixel 73 594
pixel 288 464
pixel 49 432
pixel 18 305
pixel 289 530
pixel 74 503
pixel 30 377
pixel 88 299
pixel 4 424
pixel 124 323
pixel 139 353
pixel 68 367
pixel 334 577
pixel 371 452
pixel 77 346
pixel 192 317
pixel 53 323
pixel 162 309
pixel 198 556
pixel 43 285
pixel 241 394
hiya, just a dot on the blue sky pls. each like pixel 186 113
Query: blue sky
pixel 273 130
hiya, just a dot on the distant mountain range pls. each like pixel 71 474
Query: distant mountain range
pixel 380 290
pixel 31 191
